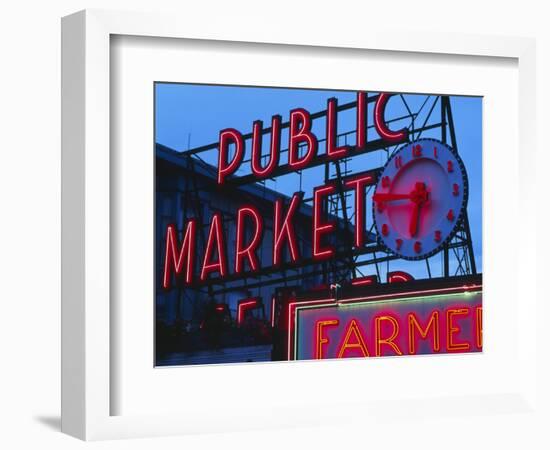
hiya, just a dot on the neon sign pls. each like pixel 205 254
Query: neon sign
pixel 180 262
pixel 246 305
pixel 438 322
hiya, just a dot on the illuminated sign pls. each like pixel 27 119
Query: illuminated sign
pixel 180 261
pixel 423 322
pixel 337 226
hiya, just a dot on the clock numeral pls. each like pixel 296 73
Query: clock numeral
pixel 398 162
pixel 437 236
pixel 398 243
pixel 386 182
pixel 449 166
pixel 450 215
pixel 385 229
pixel 455 189
pixel 435 152
pixel 418 246
pixel 417 150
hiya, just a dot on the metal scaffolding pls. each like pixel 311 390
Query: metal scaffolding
pixel 457 257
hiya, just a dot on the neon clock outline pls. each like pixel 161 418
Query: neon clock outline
pixel 420 199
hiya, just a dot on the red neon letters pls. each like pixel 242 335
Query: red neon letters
pixel 180 258
pixel 283 231
pixel 229 136
pixel 386 339
pixel 319 227
pixel 359 185
pixel 303 143
pixel 174 259
pixel 300 133
pixel 215 238
pixel 246 305
pixel 361 120
pixel 275 148
pixel 454 329
pixel 398 276
pixel 320 339
pixel 353 340
pixel 247 251
pixel 414 326
pixel 380 123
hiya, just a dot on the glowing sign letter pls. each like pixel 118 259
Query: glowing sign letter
pixel 452 330
pixel 479 326
pixel 300 131
pixel 333 151
pixel 433 323
pixel 229 136
pixel 284 231
pixel 245 305
pixel 215 237
pixel 320 339
pixel 353 329
pixel 398 276
pixel 274 151
pixel 248 251
pixel 389 340
pixel 320 228
pixel 186 253
pixel 380 122
pixel 359 185
pixel 361 119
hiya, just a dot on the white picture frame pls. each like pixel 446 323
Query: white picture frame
pixel 87 384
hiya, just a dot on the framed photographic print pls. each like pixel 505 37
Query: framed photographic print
pixel 296 232
pixel 324 234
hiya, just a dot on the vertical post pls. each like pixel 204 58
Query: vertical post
pixel 325 207
pixel 348 239
pixel 443 103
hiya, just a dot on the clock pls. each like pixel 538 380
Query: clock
pixel 420 198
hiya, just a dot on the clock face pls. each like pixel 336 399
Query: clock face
pixel 420 198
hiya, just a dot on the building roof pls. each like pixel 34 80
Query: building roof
pixel 208 171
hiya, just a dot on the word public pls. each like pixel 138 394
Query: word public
pixel 180 257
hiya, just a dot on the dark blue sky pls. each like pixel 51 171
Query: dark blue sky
pixel 190 115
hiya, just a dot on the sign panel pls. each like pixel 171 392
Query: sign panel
pixel 426 323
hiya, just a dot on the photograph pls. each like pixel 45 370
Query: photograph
pixel 299 224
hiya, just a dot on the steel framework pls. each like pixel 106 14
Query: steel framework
pixel 457 257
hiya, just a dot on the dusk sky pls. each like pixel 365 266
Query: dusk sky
pixel 190 115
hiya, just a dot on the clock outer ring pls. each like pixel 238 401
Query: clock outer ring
pixel 460 216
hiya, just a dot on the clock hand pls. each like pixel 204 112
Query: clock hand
pixel 413 226
pixel 419 197
pixel 390 197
